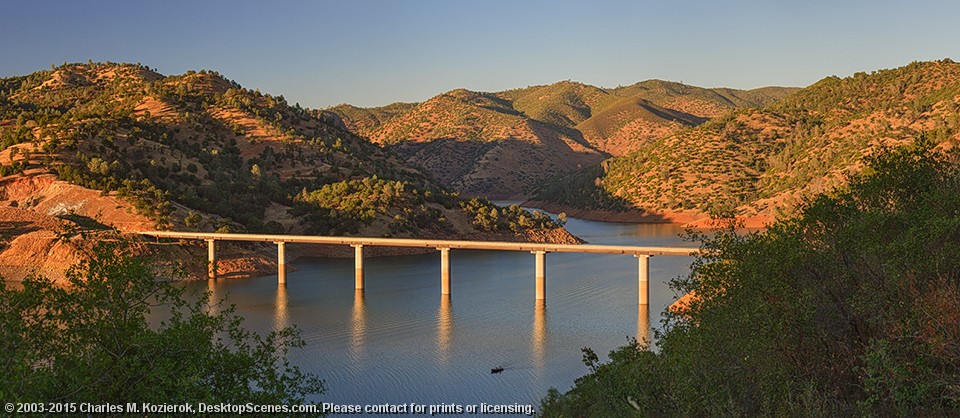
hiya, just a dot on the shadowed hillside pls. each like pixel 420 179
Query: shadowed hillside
pixel 506 144
pixel 762 161
pixel 479 144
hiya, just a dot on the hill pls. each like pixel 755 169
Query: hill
pixel 124 146
pixel 762 161
pixel 505 144
pixel 848 307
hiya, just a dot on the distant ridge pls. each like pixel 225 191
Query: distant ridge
pixel 760 161
pixel 504 144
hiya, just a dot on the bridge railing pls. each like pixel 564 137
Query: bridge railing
pixel 642 253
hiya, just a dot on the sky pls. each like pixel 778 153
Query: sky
pixel 375 52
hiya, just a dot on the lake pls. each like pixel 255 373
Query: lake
pixel 401 342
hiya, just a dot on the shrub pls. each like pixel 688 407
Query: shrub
pixel 849 307
pixel 91 341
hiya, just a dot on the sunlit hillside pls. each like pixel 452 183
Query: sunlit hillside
pixel 763 161
pixel 121 145
pixel 506 144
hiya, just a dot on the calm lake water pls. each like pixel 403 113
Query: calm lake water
pixel 401 342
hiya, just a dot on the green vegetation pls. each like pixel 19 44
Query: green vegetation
pixel 364 121
pixel 562 104
pixel 579 190
pixel 344 207
pixel 95 128
pixel 481 143
pixel 459 114
pixel 489 217
pixel 347 206
pixel 848 308
pixel 179 147
pixel 92 341
pixel 759 161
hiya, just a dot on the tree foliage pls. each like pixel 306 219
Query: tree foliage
pixel 346 206
pixel 92 341
pixel 849 308
pixel 764 160
pixel 490 217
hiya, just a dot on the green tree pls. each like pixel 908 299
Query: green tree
pixel 91 341
pixel 848 308
pixel 192 219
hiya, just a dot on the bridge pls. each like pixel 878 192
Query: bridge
pixel 539 250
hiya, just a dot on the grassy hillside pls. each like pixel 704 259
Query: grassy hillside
pixel 761 161
pixel 564 103
pixel 504 144
pixel 199 151
pixel 365 121
pixel 479 144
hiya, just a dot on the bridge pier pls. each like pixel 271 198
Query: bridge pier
pixel 211 259
pixel 541 274
pixel 358 265
pixel 281 262
pixel 444 271
pixel 643 279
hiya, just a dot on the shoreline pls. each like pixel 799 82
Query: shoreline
pixel 694 220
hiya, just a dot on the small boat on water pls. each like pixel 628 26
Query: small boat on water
pixel 496 370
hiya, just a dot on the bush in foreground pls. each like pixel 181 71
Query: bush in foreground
pixel 91 341
pixel 852 307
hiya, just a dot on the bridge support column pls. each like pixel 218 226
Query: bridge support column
pixel 444 271
pixel 358 265
pixel 541 274
pixel 281 262
pixel 211 259
pixel 643 279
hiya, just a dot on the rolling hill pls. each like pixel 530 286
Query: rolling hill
pixel 504 144
pixel 761 161
pixel 117 145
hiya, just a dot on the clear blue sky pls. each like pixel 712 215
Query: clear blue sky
pixel 369 53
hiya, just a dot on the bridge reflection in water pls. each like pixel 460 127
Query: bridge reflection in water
pixel 444 319
pixel 444 325
pixel 538 340
pixel 358 325
pixel 444 329
pixel 281 317
pixel 643 325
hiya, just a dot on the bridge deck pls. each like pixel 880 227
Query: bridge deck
pixel 427 243
pixel 539 249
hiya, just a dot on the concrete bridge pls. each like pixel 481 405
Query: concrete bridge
pixel 539 250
